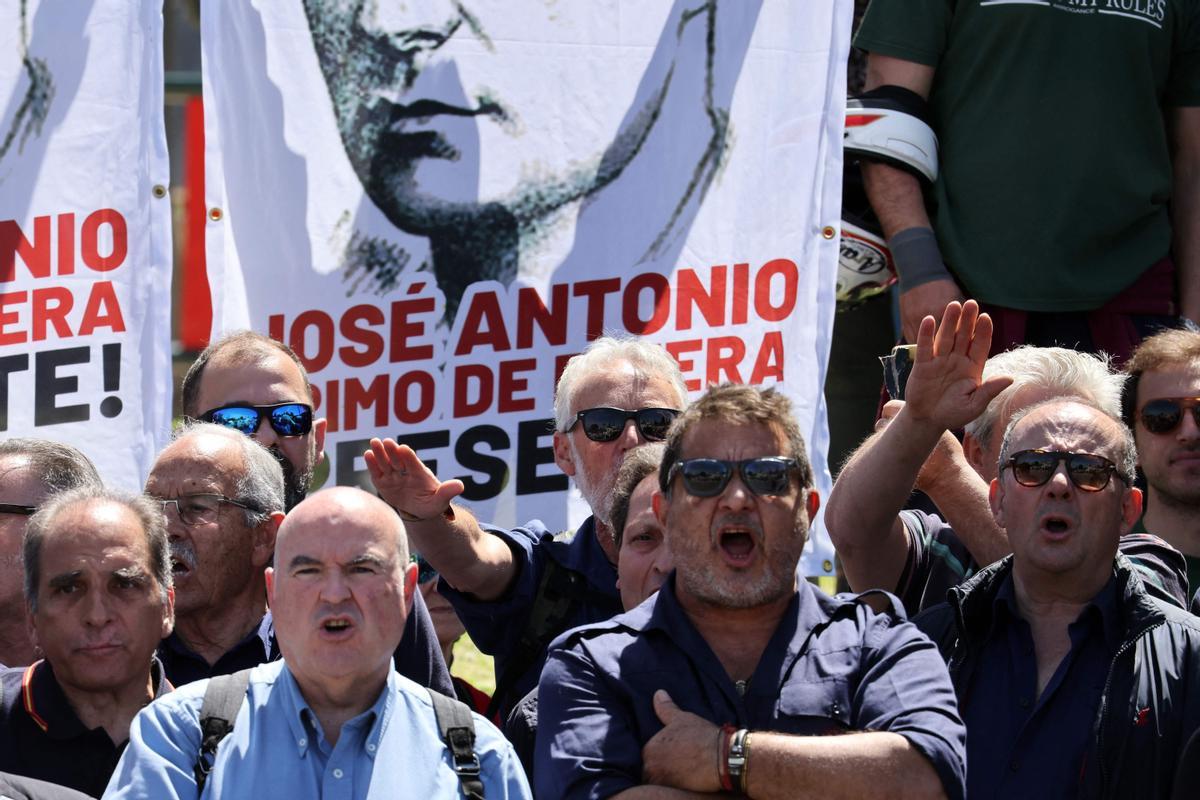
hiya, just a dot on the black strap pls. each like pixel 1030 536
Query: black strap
pixel 457 728
pixel 222 700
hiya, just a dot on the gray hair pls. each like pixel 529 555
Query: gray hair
pixel 1055 369
pixel 1126 456
pixel 260 485
pixel 649 360
pixel 148 513
pixel 640 463
pixel 58 466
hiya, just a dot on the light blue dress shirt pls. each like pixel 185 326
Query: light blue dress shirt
pixel 278 750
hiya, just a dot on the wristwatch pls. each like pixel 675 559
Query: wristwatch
pixel 737 758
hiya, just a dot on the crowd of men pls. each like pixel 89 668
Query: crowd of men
pixel 1028 633
pixel 1023 626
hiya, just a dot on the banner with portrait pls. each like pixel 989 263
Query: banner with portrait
pixel 437 204
pixel 85 231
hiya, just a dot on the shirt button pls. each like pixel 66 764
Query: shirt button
pixel 1014 766
pixel 371 748
pixel 337 773
pixel 302 742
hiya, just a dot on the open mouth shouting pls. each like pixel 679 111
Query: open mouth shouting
pixel 1056 526
pixel 337 628
pixel 738 543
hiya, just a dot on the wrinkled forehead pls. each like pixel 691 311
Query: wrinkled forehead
pixel 1066 426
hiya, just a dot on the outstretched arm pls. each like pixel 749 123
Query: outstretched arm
pixel 448 537
pixel 945 391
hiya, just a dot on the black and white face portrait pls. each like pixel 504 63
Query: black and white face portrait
pixel 452 139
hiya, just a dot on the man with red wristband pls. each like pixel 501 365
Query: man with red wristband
pixel 731 677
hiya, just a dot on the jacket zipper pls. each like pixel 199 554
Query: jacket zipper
pixel 1104 698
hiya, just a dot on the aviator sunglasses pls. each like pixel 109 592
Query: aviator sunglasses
pixel 1165 414
pixel 287 419
pixel 606 424
pixel 708 477
pixel 1088 472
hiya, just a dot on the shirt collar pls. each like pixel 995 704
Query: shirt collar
pixel 46 704
pixel 1104 604
pixel 306 729
pixel 259 639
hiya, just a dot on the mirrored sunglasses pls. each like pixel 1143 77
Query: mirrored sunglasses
pixel 286 419
pixel 708 477
pixel 1088 472
pixel 1164 414
pixel 606 424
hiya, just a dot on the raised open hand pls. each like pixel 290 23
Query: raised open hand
pixel 946 387
pixel 406 484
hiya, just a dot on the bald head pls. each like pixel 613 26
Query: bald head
pixel 333 510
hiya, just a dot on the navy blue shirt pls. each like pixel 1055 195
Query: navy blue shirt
pixel 418 658
pixel 42 737
pixel 1023 745
pixel 496 627
pixel 833 665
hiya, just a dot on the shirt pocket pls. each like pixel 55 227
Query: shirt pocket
pixel 814 708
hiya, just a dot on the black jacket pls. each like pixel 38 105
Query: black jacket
pixel 1150 706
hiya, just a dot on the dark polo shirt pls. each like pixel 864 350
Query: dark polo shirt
pixel 41 737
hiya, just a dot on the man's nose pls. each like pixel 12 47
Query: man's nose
pixel 737 496
pixel 1060 483
pixel 334 588
pixel 96 611
pixel 630 437
pixel 1188 430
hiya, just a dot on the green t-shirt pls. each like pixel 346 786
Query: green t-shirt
pixel 1055 161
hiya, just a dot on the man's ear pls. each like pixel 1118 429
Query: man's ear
pixel 319 428
pixel 269 574
pixel 1131 508
pixel 660 503
pixel 996 501
pixel 264 539
pixel 563 456
pixel 410 586
pixel 973 450
pixel 168 624
pixel 812 504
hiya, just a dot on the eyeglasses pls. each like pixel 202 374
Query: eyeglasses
pixel 287 419
pixel 606 424
pixel 425 570
pixel 16 508
pixel 1165 414
pixel 199 509
pixel 1088 472
pixel 708 477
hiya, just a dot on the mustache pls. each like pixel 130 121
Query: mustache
pixel 184 553
pixel 747 522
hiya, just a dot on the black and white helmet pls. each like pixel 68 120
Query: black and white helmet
pixel 888 124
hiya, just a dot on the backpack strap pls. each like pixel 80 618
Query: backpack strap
pixel 457 728
pixel 223 699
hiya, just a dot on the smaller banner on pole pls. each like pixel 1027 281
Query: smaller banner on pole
pixel 85 236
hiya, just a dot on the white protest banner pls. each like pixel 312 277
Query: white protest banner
pixel 436 204
pixel 85 231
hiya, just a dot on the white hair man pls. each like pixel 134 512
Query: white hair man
pixel 515 590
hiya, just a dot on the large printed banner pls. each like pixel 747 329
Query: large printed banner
pixel 437 204
pixel 85 227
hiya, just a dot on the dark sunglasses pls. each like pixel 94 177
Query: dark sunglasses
pixel 708 477
pixel 16 508
pixel 1088 472
pixel 425 570
pixel 606 424
pixel 287 419
pixel 1165 414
